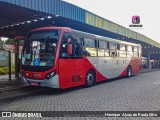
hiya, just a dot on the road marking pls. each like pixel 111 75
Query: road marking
pixel 157 82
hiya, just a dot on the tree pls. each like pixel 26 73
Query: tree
pixel 9 41
pixel 1 44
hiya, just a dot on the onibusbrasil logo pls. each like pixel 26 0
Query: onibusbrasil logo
pixel 136 22
pixel 135 19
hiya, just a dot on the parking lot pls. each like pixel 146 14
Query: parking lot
pixel 141 92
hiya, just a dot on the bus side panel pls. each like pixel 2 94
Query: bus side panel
pixel 65 73
pixel 93 63
pixel 109 67
pixel 124 73
pixel 135 65
pixel 72 72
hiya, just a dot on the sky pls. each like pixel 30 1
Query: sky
pixel 121 12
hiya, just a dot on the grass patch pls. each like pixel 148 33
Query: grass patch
pixel 5 70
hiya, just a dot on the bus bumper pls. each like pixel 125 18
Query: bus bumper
pixel 53 82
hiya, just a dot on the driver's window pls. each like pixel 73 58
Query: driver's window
pixel 63 53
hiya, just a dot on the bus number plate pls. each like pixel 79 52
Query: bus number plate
pixel 34 83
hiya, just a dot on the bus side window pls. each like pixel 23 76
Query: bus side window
pixel 113 49
pixel 90 47
pixel 139 52
pixel 129 51
pixel 85 52
pixel 122 50
pixel 135 51
pixel 64 50
pixel 77 45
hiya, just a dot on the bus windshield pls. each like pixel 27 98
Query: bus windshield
pixel 40 48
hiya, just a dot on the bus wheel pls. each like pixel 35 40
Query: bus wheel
pixel 90 78
pixel 129 71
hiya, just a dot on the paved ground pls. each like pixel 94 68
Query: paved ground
pixel 5 84
pixel 138 93
pixel 6 77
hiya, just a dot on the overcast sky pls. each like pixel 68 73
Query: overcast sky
pixel 121 12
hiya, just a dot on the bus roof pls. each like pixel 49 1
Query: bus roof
pixel 67 29
pixel 109 39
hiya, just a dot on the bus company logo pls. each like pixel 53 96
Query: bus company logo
pixel 136 22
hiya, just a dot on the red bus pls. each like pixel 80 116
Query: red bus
pixel 61 57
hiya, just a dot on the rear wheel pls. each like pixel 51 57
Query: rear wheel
pixel 90 78
pixel 129 71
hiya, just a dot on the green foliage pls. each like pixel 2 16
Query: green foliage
pixel 5 70
pixel 1 43
pixel 9 41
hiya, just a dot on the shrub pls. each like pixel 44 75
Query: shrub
pixel 2 72
pixel 5 70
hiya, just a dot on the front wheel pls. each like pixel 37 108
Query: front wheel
pixel 129 71
pixel 90 78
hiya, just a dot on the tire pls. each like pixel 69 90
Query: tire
pixel 90 78
pixel 129 71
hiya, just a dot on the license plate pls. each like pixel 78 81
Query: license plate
pixel 34 83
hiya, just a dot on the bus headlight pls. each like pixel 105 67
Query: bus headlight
pixel 50 75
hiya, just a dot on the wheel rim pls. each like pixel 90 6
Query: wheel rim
pixel 90 78
pixel 129 72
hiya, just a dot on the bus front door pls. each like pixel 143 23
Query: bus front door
pixel 70 72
